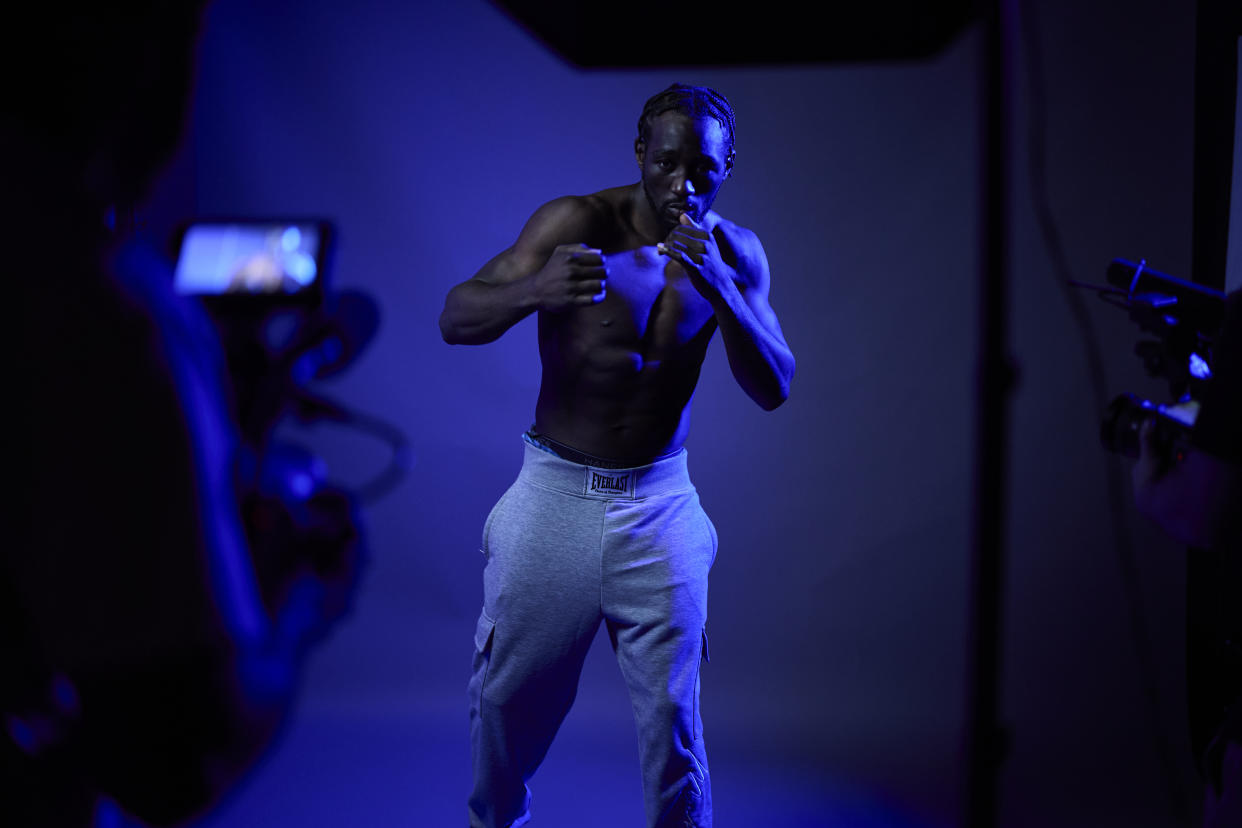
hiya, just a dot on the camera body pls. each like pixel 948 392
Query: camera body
pixel 1123 422
pixel 1185 319
pixel 265 285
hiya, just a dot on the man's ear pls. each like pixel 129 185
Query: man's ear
pixel 640 151
pixel 729 164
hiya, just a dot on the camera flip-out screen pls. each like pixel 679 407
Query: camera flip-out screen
pixel 284 261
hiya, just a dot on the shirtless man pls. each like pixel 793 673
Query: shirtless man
pixel 603 523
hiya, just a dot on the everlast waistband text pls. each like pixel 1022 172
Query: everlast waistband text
pixel 610 483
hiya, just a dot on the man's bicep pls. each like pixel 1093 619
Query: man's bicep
pixel 756 282
pixel 562 221
pixel 510 265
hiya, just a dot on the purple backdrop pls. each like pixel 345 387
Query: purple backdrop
pixel 429 132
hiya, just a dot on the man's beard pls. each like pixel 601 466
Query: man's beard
pixel 662 215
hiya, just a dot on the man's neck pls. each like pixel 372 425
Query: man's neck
pixel 643 217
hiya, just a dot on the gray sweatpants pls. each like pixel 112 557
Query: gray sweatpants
pixel 566 547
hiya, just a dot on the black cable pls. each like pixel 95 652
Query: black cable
pixel 311 408
pixel 399 463
pixel 1062 273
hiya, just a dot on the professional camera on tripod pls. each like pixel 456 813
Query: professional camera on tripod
pixel 265 285
pixel 1185 319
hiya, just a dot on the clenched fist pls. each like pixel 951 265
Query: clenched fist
pixel 572 277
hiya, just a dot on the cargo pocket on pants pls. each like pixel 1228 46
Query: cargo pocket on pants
pixel 484 633
pixel 704 658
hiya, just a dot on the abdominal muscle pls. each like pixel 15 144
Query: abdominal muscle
pixel 619 376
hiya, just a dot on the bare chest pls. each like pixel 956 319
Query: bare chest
pixel 650 303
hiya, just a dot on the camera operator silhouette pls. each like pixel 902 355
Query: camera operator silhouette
pixel 155 607
pixel 1195 496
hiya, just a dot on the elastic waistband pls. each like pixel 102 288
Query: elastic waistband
pixel 669 475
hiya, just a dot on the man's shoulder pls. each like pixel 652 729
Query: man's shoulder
pixel 582 217
pixel 737 242
pixel 571 209
pixel 732 231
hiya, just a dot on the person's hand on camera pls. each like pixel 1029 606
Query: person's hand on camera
pixel 1192 496
pixel 309 555
pixel 1150 466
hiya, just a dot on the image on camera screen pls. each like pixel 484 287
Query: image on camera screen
pixel 217 259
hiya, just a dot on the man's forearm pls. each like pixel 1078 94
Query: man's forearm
pixel 477 312
pixel 760 360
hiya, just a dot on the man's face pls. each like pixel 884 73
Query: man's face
pixel 683 165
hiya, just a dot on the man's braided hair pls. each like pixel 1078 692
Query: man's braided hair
pixel 692 101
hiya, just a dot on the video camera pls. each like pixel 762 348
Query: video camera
pixel 265 285
pixel 1185 319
